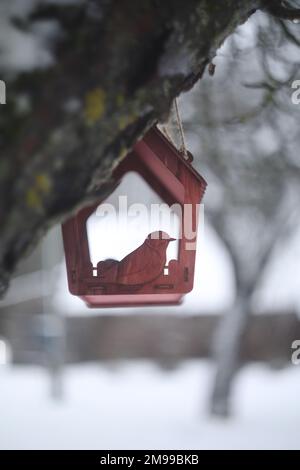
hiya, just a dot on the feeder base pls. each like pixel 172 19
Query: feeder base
pixel 130 300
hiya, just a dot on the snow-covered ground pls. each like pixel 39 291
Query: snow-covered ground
pixel 137 405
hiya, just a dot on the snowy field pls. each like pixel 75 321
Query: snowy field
pixel 137 405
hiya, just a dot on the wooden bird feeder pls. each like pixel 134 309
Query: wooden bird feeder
pixel 170 174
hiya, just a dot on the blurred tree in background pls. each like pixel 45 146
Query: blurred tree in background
pixel 245 129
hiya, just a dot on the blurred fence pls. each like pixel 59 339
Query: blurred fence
pixel 168 339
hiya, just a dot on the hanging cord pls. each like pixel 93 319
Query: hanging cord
pixel 183 148
pixel 168 133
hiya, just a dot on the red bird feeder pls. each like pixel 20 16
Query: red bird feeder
pixel 142 277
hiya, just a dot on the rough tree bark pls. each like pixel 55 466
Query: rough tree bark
pixel 118 66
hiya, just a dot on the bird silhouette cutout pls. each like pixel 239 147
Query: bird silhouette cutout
pixel 143 265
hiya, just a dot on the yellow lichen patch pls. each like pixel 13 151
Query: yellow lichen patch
pixel 120 100
pixel 94 105
pixel 34 195
pixel 125 120
pixel 33 199
pixel 43 182
pixel 123 152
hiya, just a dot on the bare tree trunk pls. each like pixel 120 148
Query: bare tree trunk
pixel 56 359
pixel 227 346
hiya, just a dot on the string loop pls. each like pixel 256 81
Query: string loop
pixel 183 148
pixel 181 131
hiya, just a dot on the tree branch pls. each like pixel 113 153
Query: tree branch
pixel 279 10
